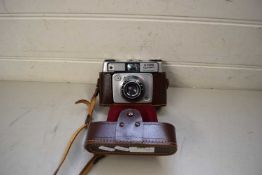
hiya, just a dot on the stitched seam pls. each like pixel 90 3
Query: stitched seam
pixel 115 141
pixel 131 137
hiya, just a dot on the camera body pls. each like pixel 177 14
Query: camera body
pixel 132 82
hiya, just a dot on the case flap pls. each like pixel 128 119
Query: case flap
pixel 129 126
pixel 158 139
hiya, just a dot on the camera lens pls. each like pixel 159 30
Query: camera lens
pixel 132 89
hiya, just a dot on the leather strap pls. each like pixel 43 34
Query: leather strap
pixel 95 158
pixel 69 144
pixel 91 163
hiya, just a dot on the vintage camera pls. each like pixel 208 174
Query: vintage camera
pixel 137 88
pixel 133 81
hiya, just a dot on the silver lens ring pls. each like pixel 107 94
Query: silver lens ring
pixel 132 88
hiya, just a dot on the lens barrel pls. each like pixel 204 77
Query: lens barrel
pixel 132 88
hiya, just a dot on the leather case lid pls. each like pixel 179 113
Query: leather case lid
pixel 130 135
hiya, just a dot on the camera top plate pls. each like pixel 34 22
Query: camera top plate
pixel 132 66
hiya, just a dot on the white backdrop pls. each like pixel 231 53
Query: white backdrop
pixel 205 43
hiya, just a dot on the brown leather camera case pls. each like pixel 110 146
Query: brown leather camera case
pixel 130 135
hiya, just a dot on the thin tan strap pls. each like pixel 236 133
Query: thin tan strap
pixel 69 145
pixel 90 164
pixel 90 105
pixel 90 109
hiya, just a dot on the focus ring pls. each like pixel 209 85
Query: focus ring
pixel 132 89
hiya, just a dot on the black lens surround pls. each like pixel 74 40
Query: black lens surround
pixel 132 89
